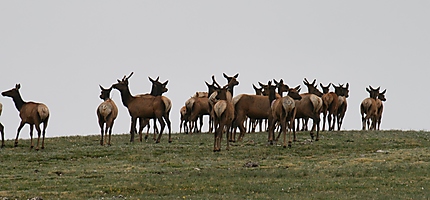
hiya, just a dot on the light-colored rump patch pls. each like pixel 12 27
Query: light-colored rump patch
pixel 105 109
pixel 43 111
pixel 220 107
pixel 212 98
pixel 167 103
pixel 288 103
pixel 317 102
pixel 190 103
pixel 201 94
pixel 341 99
pixel 237 98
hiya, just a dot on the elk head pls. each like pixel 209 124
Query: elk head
pixel 381 95
pixel 312 87
pixel 281 86
pixel 158 88
pixel 14 92
pixel 105 93
pixel 373 92
pixel 122 84
pixel 258 91
pixel 325 89
pixel 294 93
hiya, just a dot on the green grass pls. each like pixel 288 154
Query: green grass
pixel 342 165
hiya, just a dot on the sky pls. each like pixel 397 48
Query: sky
pixel 60 51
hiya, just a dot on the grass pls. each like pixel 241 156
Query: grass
pixel 342 165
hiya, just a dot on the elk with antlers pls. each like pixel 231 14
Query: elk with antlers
pixel 30 113
pixel 330 105
pixel 141 107
pixel 106 113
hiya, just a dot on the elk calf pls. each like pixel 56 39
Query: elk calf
pixel 30 113
pixel 106 113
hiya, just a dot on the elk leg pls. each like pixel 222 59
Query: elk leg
pixel 101 124
pixel 110 131
pixel 133 128
pixel 169 125
pixel 162 125
pixel 17 133
pixel 2 135
pixel 39 133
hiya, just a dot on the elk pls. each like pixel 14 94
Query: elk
pixel 369 109
pixel 254 122
pixel 183 119
pixel 251 106
pixel 342 93
pixel 157 89
pixel 30 113
pixel 380 105
pixel 106 114
pixel 330 105
pixel 310 107
pixel 1 128
pixel 223 113
pixel 283 111
pixel 197 106
pixel 141 107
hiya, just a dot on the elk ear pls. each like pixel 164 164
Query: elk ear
pixel 276 82
pixel 131 74
pixel 347 85
pixel 367 89
pixel 371 87
pixel 322 85
pixel 383 92
pixel 118 80
pixel 225 75
pixel 297 88
pixel 313 83
pixel 150 79
pixel 165 83
pixel 261 84
pixel 306 82
pixel 101 87
pixel 237 75
pixel 253 86
pixel 207 84
pixel 18 86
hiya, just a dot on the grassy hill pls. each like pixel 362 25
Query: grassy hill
pixel 342 165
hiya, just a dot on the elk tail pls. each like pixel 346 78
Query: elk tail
pixel 43 112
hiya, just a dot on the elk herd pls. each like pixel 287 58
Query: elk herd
pixel 275 106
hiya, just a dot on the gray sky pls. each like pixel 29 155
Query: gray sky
pixel 61 50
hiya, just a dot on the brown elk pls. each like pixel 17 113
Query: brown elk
pixel 141 107
pixel 310 106
pixel 30 113
pixel 342 93
pixel 254 122
pixel 106 114
pixel 197 106
pixel 223 113
pixel 1 128
pixel 251 106
pixel 157 89
pixel 330 105
pixel 183 119
pixel 283 111
pixel 369 109
pixel 380 105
